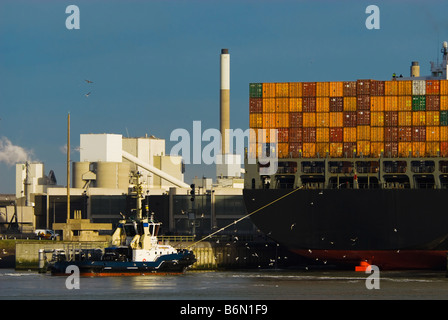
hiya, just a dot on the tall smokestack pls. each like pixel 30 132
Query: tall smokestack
pixel 225 100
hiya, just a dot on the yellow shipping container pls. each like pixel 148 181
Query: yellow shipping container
pixel 432 118
pixel 295 104
pixel 322 89
pixel 322 134
pixel 309 119
pixel 377 134
pixel 336 149
pixel 418 118
pixel 404 103
pixel 282 120
pixel 336 89
pixel 269 104
pixel 404 118
pixel 391 103
pixel 281 104
pixel 418 149
pixel 295 89
pixel 269 90
pixel 282 89
pixel 255 120
pixel 377 119
pixel 322 104
pixel 323 119
pixel 269 120
pixel 432 149
pixel 404 149
pixel 363 147
pixel 349 103
pixel 443 133
pixel 283 149
pixel 322 148
pixel 405 88
pixel 336 119
pixel 363 132
pixel 350 134
pixel 444 87
pixel 376 148
pixel 433 133
pixel 391 88
pixel 376 103
pixel 444 102
pixel 309 150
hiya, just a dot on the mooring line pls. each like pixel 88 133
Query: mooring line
pixel 247 215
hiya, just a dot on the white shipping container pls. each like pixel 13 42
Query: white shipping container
pixel 418 87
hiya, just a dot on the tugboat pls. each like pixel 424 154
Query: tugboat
pixel 135 250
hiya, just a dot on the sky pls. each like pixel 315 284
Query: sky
pixel 155 64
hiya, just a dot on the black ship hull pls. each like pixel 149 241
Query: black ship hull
pixel 393 229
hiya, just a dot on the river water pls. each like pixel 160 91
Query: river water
pixel 230 285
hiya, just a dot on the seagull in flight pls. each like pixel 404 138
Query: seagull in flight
pixel 88 81
pixel 88 94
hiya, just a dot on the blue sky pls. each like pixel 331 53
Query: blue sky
pixel 155 64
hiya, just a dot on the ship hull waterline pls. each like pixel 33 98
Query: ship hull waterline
pixel 391 228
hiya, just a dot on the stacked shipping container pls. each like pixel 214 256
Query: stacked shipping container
pixel 399 118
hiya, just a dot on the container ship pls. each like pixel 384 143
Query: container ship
pixel 361 168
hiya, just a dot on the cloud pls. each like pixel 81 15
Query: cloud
pixel 63 149
pixel 12 154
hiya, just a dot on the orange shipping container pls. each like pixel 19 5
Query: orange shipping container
pixel 282 120
pixel 391 103
pixel 363 132
pixel 336 150
pixel 322 104
pixel 405 87
pixel 363 147
pixel 391 88
pixel 269 120
pixel 322 119
pixel 283 150
pixel 350 134
pixel 444 87
pixel 443 133
pixel 432 149
pixel 377 103
pixel 255 150
pixel 377 134
pixel 418 149
pixel 268 104
pixel 323 134
pixel 432 87
pixel 322 148
pixel 309 119
pixel 404 149
pixel 419 118
pixel 349 103
pixel 376 148
pixel 295 104
pixel 323 89
pixel 336 119
pixel 404 118
pixel 336 89
pixel 433 133
pixel 309 150
pixel 444 102
pixel 432 118
pixel 281 104
pixel 377 119
pixel 255 120
pixel 295 89
pixel 268 90
pixel 444 149
pixel 404 103
pixel 282 89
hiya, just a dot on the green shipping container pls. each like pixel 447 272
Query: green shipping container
pixel 418 103
pixel 444 118
pixel 256 90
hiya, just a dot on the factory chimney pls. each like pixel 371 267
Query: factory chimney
pixel 225 101
pixel 415 69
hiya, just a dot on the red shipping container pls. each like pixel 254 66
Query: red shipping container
pixel 309 89
pixel 349 88
pixel 295 134
pixel 432 103
pixel 349 148
pixel 377 88
pixel 309 135
pixel 363 118
pixel 309 104
pixel 432 87
pixel 283 135
pixel 363 87
pixel 295 119
pixel 336 134
pixel 444 149
pixel 295 148
pixel 419 134
pixel 404 134
pixel 349 119
pixel 391 134
pixel 255 105
pixel 391 149
pixel 336 104
pixel 363 102
pixel 391 118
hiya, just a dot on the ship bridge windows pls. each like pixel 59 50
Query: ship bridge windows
pixel 396 182
pixel 313 166
pixel 424 181
pixel 340 166
pixel 443 166
pixel 284 181
pixel 422 166
pixel 287 167
pixel 313 182
pixel 395 166
pixel 367 166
